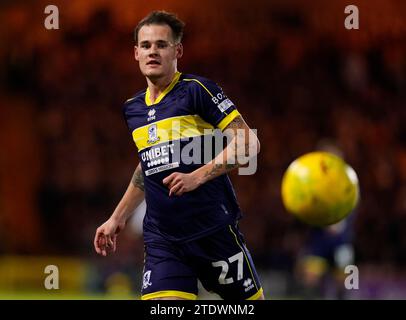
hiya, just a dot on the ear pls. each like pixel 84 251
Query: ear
pixel 179 50
pixel 136 53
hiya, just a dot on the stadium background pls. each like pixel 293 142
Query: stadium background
pixel 293 70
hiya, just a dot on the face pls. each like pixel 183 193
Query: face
pixel 156 51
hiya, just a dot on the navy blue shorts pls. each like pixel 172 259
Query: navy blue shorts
pixel 220 261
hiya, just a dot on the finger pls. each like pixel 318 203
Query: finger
pixel 181 191
pixel 97 241
pixel 96 238
pixel 114 243
pixel 102 241
pixel 169 178
pixel 109 242
pixel 174 182
pixel 175 188
pixel 96 245
pixel 104 245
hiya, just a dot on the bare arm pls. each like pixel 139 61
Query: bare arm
pixel 240 147
pixel 132 198
pixel 105 239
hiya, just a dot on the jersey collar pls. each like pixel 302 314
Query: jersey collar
pixel 164 93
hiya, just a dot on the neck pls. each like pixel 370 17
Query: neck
pixel 157 85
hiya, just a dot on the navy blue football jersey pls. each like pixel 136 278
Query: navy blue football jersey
pixel 168 134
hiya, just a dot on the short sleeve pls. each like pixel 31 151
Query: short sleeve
pixel 212 104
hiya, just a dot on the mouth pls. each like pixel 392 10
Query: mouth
pixel 153 63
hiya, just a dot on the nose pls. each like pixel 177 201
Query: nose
pixel 153 50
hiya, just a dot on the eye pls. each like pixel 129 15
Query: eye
pixel 145 45
pixel 162 45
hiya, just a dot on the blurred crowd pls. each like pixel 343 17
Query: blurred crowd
pixel 67 156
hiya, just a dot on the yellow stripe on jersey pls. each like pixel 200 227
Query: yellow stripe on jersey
pixel 170 129
pixel 256 295
pixel 174 81
pixel 169 293
pixel 226 121
pixel 200 84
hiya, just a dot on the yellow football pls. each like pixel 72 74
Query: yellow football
pixel 320 188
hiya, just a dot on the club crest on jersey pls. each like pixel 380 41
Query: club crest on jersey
pixel 151 115
pixel 152 134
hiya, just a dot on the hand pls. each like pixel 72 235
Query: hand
pixel 179 183
pixel 105 239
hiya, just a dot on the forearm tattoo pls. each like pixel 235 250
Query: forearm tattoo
pixel 219 168
pixel 138 179
pixel 242 141
pixel 237 123
pixel 233 149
